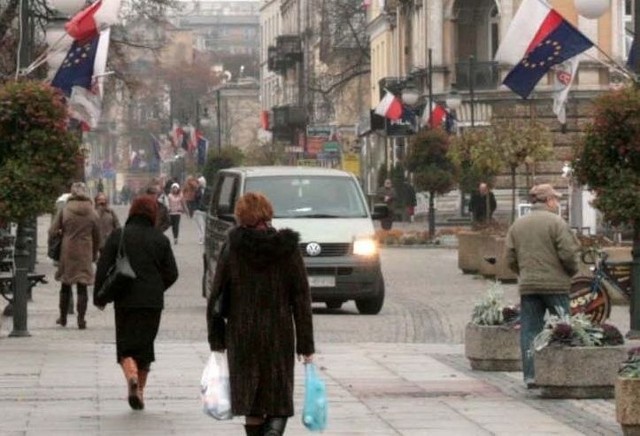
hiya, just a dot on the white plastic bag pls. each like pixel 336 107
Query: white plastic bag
pixel 215 390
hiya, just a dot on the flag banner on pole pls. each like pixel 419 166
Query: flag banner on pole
pixel 91 20
pixel 389 107
pixel 563 77
pixel 203 148
pixel 86 106
pixel 562 43
pixel 433 116
pixel 77 67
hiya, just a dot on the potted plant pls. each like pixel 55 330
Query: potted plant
pixel 492 338
pixel 627 393
pixel 575 358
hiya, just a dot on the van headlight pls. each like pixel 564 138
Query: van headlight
pixel 365 247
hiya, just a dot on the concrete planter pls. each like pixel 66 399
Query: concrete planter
pixel 492 348
pixel 470 249
pixel 628 405
pixel 578 372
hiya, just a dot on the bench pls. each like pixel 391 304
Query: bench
pixel 7 271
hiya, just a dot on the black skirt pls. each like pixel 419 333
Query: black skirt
pixel 136 330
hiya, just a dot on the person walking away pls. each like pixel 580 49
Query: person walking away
pixel 78 224
pixel 482 205
pixel 177 207
pixel 267 319
pixel 107 218
pixel 387 194
pixel 200 212
pixel 543 251
pixel 139 304
pixel 189 190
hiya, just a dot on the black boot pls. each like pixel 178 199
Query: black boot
pixel 65 296
pixel 253 430
pixel 274 426
pixel 83 300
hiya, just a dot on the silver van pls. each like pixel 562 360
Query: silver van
pixel 329 210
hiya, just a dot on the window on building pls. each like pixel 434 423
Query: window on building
pixel 627 20
pixel 494 30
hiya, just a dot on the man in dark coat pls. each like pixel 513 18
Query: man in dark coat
pixel 139 303
pixel 482 205
pixel 262 276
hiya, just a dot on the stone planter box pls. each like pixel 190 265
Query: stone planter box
pixel 578 372
pixel 470 246
pixel 492 348
pixel 494 247
pixel 628 405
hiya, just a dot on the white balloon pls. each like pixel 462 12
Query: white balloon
pixel 592 9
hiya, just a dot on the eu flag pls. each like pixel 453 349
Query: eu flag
pixel 564 42
pixel 77 67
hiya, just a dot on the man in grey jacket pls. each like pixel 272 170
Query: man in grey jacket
pixel 543 251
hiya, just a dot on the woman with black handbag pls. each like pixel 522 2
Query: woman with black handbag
pixel 138 303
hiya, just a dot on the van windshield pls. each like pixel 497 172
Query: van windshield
pixel 310 197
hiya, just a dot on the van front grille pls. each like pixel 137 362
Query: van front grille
pixel 328 250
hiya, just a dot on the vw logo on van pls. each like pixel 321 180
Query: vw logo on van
pixel 313 249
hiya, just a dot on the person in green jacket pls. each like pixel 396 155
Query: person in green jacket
pixel 543 251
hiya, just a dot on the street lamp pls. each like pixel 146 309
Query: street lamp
pixel 410 94
pixel 453 100
pixel 592 9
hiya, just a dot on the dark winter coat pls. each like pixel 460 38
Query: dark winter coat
pixel 269 318
pixel 151 257
pixel 480 204
pixel 80 241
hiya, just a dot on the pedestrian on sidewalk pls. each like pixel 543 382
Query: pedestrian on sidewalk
pixel 387 194
pixel 77 222
pixel 107 218
pixel 177 207
pixel 163 220
pixel 200 212
pixel 543 251
pixel 482 205
pixel 139 304
pixel 259 310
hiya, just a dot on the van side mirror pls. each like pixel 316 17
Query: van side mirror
pixel 380 211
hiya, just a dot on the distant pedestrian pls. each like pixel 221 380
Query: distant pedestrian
pixel 200 212
pixel 189 190
pixel 387 194
pixel 78 224
pixel 139 304
pixel 163 220
pixel 482 205
pixel 126 194
pixel 107 218
pixel 543 251
pixel 268 318
pixel 177 207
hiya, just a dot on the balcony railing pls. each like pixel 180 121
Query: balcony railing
pixel 486 75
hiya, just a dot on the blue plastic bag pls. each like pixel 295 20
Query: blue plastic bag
pixel 314 413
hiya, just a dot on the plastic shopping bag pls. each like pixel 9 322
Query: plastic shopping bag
pixel 215 390
pixel 314 413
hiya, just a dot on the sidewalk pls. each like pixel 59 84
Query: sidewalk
pixel 75 387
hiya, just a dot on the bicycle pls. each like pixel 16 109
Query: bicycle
pixel 609 283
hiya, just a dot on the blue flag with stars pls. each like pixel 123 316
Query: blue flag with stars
pixel 563 43
pixel 77 67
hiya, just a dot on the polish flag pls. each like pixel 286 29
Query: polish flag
pixel 533 21
pixel 389 107
pixel 91 20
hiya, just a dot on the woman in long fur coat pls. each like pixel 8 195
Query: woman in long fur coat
pixel 266 315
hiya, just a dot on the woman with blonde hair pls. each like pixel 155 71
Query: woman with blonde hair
pixel 265 318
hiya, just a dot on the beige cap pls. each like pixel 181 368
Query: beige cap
pixel 543 192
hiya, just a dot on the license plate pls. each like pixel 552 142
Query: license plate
pixel 322 281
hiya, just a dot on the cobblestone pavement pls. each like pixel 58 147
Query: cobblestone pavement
pixel 401 372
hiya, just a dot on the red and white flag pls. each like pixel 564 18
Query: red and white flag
pixel 434 115
pixel 389 107
pixel 91 20
pixel 563 76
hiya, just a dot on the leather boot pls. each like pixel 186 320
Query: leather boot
pixel 130 369
pixel 253 430
pixel 142 382
pixel 83 300
pixel 65 296
pixel 274 426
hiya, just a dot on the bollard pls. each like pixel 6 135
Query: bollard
pixel 21 283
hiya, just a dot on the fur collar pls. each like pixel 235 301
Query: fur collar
pixel 261 247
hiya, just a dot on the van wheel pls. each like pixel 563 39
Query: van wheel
pixel 333 304
pixel 373 305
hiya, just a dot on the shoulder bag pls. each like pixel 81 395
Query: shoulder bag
pixel 54 242
pixel 118 275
